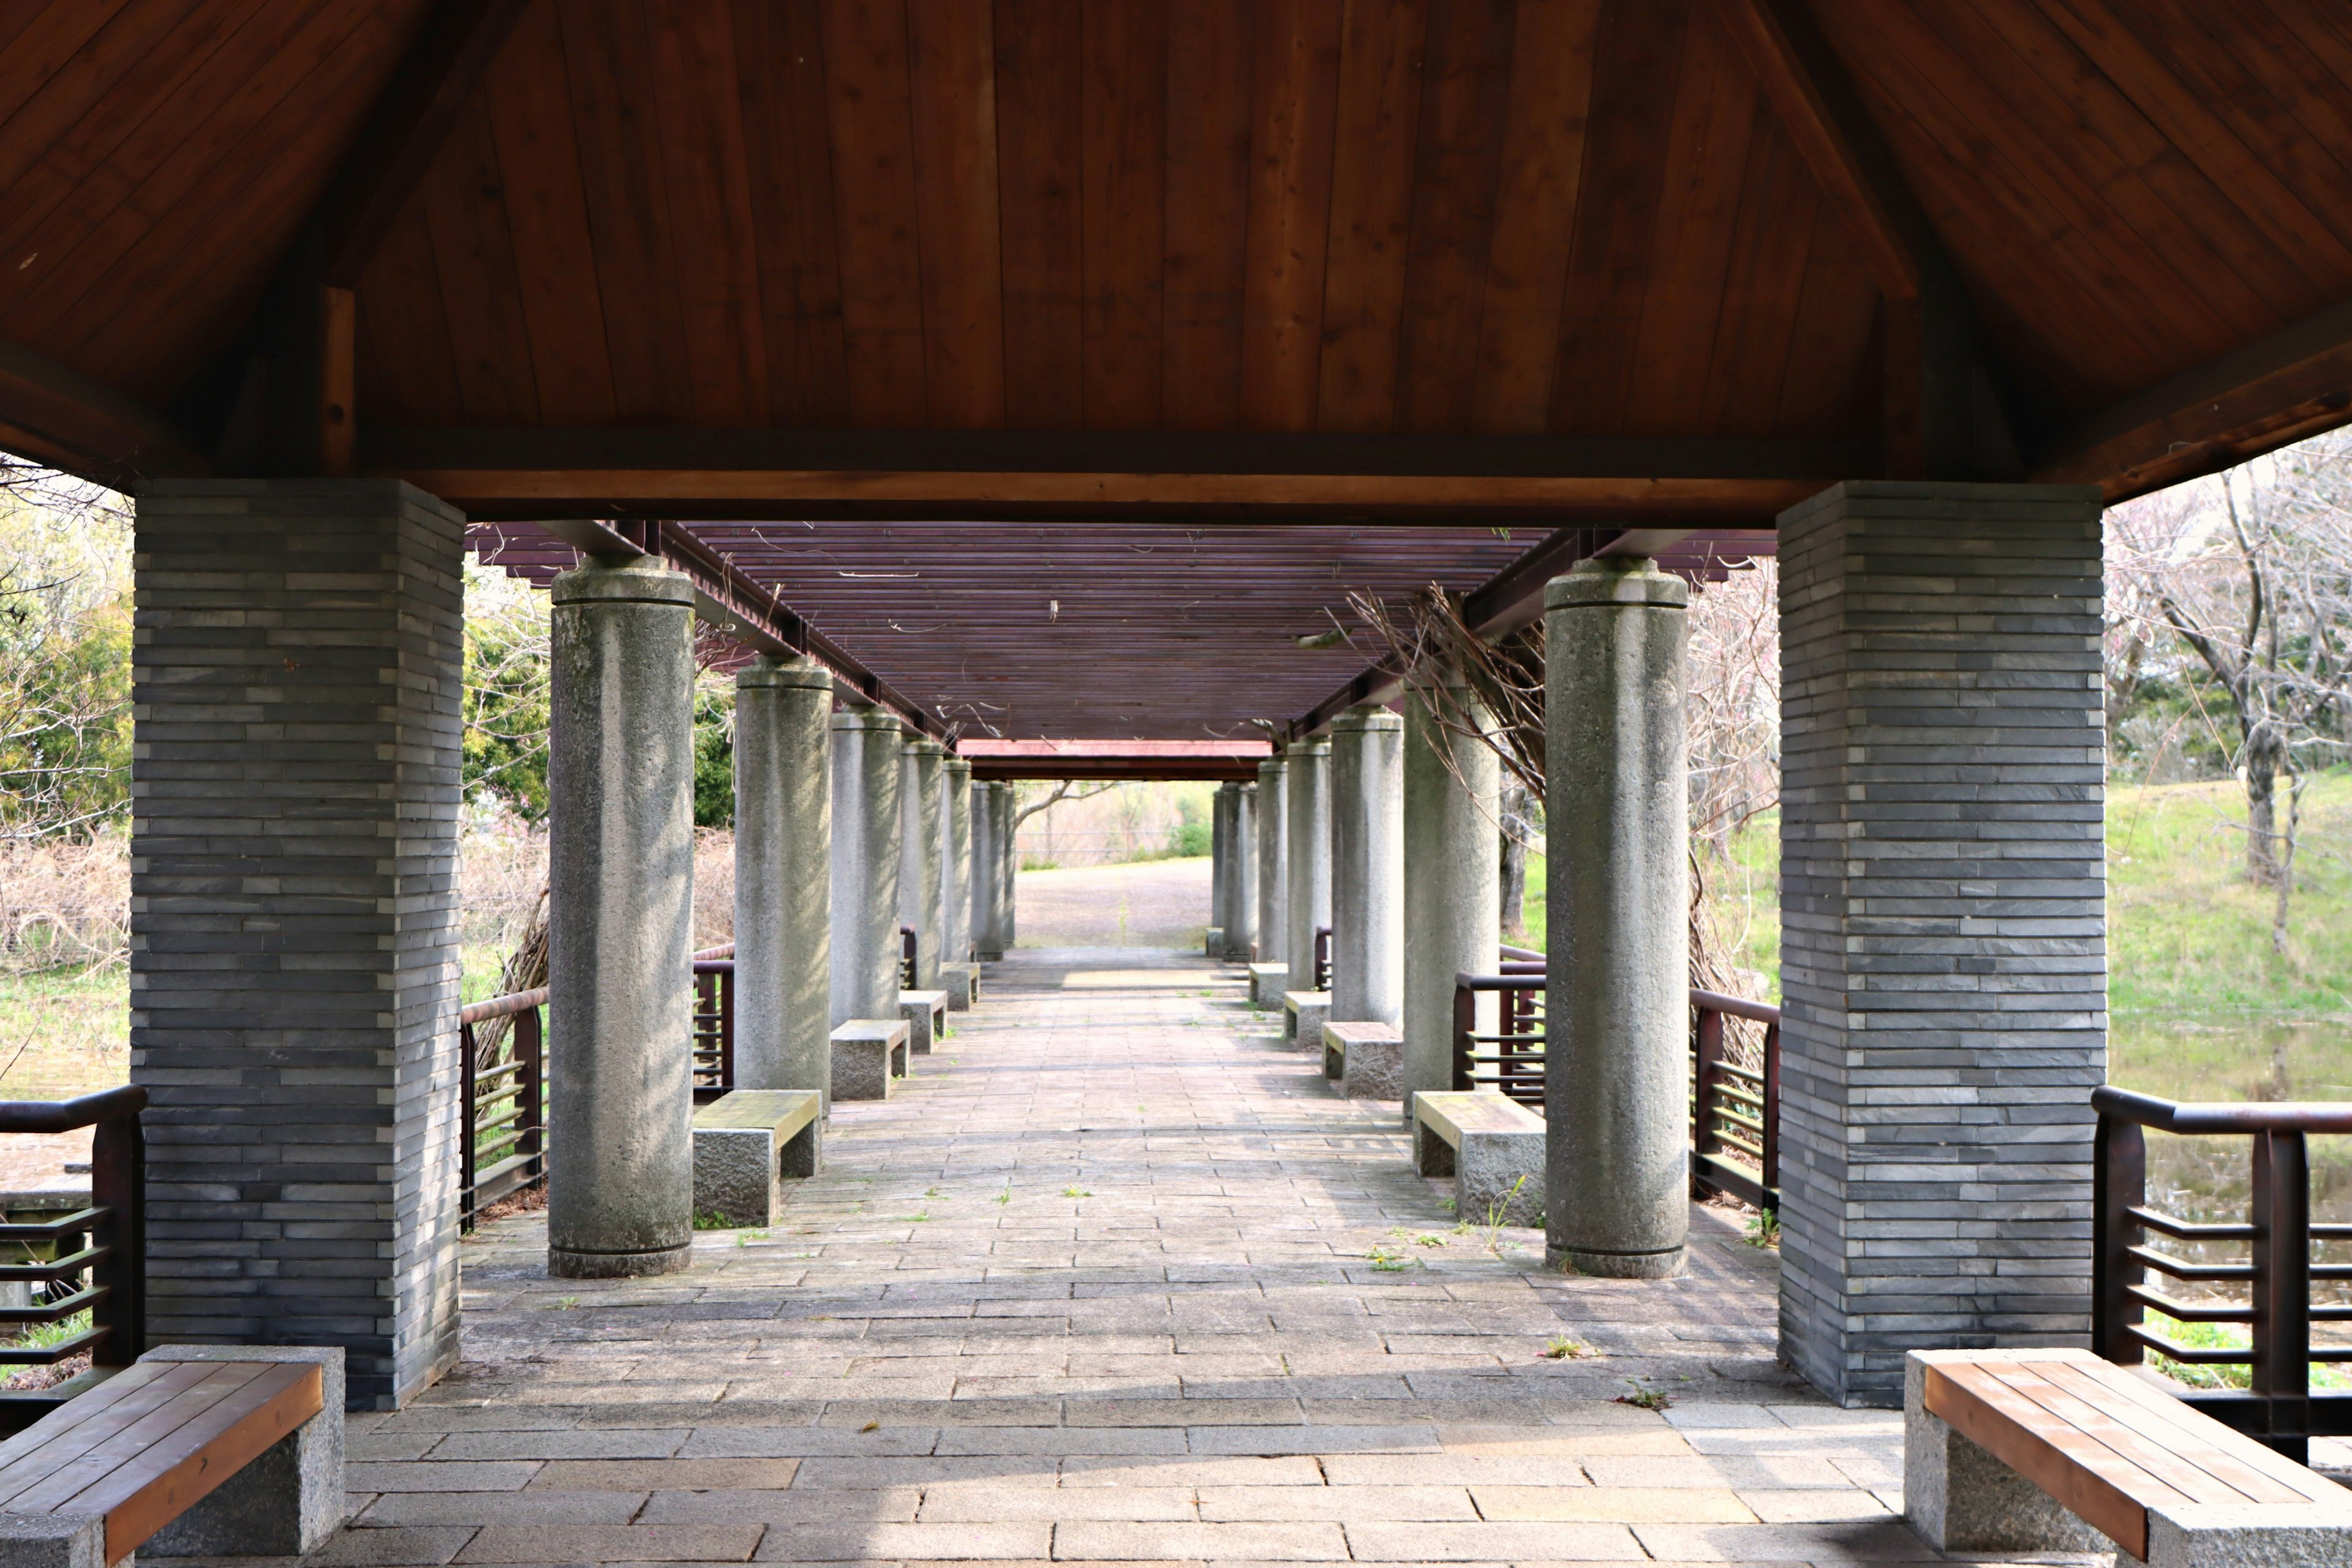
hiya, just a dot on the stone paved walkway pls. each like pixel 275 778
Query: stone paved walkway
pixel 1116 1278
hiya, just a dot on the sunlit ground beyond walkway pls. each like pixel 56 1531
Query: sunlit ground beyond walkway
pixel 1119 1277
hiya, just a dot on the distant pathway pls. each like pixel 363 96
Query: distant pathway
pixel 1098 1285
pixel 1148 903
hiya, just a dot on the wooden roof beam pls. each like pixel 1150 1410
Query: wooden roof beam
pixel 62 417
pixel 1943 416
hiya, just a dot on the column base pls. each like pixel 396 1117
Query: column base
pixel 561 1265
pixel 1671 1264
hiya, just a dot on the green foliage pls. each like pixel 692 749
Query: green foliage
pixel 714 754
pixel 65 667
pixel 505 745
pixel 1194 834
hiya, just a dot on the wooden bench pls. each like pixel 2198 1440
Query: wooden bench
pixel 868 1053
pixel 1367 1060
pixel 195 1452
pixel 926 1012
pixel 2041 1450
pixel 745 1143
pixel 1302 1013
pixel 1492 1147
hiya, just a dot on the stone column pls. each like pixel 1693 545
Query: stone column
pixel 1367 866
pixel 1006 802
pixel 1307 798
pixel 865 858
pixel 1943 958
pixel 1452 874
pixel 919 862
pixel 1617 1001
pixel 1241 874
pixel 986 942
pixel 957 773
pixel 299 681
pixel 1273 863
pixel 619 922
pixel 784 871
pixel 1221 862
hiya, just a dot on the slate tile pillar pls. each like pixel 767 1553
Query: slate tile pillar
pixel 1273 863
pixel 1943 951
pixel 920 865
pixel 784 872
pixel 1367 866
pixel 1306 799
pixel 293 928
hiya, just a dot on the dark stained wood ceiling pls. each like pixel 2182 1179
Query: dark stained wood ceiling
pixel 1415 259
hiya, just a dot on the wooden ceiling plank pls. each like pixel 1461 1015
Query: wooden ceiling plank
pixel 33 41
pixel 1038 140
pixel 788 152
pixel 1831 328
pixel 1698 219
pixel 1637 50
pixel 465 212
pixel 952 84
pixel 2277 72
pixel 712 240
pixel 62 62
pixel 1294 86
pixel 59 416
pixel 405 370
pixel 604 52
pixel 1207 194
pixel 547 221
pixel 875 206
pixel 1763 288
pixel 1375 125
pixel 1534 212
pixel 1123 153
pixel 2183 122
pixel 437 75
pixel 1457 172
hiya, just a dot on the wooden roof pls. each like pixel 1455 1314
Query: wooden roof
pixel 1083 259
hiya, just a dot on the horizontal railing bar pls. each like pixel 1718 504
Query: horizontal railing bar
pixel 2180 1269
pixel 2188 1230
pixel 50 1230
pixel 2253 1116
pixel 2186 1355
pixel 65 1115
pixel 54 1270
pixel 495 1007
pixel 1734 1007
pixel 49 1355
pixel 56 1312
pixel 2189 1311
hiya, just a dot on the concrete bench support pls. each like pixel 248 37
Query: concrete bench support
pixel 926 1012
pixel 1268 984
pixel 961 982
pixel 1367 1060
pixel 1214 944
pixel 868 1053
pixel 290 1499
pixel 1492 1147
pixel 745 1143
pixel 1302 1013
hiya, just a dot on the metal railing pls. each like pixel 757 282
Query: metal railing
pixel 907 956
pixel 1322 959
pixel 504 1105
pixel 1735 1108
pixel 2278 1407
pixel 93 1260
pixel 714 1020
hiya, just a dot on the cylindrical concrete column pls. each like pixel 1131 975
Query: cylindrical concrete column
pixel 784 872
pixel 1221 861
pixel 956 772
pixel 620 1160
pixel 985 942
pixel 864 881
pixel 920 865
pixel 1004 799
pixel 1367 866
pixel 1451 873
pixel 1306 796
pixel 1241 875
pixel 1617 1003
pixel 1273 863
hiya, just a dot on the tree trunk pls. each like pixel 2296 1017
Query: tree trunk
pixel 1515 804
pixel 2263 851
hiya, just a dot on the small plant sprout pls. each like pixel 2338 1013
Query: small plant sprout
pixel 565 1303
pixel 1497 1211
pixel 1388 1262
pixel 1006 1196
pixel 918 1219
pixel 1562 1347
pixel 746 1237
pixel 1645 1398
pixel 1764 1229
pixel 1075 1192
pixel 930 1191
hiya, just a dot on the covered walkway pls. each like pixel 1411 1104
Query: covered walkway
pixel 1099 1283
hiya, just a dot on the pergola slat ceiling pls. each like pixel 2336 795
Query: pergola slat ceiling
pixel 1060 631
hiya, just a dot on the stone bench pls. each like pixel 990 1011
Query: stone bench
pixel 745 1143
pixel 926 1012
pixel 1213 944
pixel 1367 1060
pixel 196 1451
pixel 1302 1013
pixel 1993 1439
pixel 1492 1147
pixel 961 982
pixel 868 1053
pixel 1267 982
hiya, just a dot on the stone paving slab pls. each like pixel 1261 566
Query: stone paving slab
pixel 1115 1278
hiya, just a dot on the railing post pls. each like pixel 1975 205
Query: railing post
pixel 118 1163
pixel 1707 1048
pixel 1465 1024
pixel 726 983
pixel 529 1045
pixel 2118 1185
pixel 2281 1294
pixel 469 1130
pixel 1771 1118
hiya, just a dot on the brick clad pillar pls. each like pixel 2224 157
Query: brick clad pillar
pixel 1942 947
pixel 294 957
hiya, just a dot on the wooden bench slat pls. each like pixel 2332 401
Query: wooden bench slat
pixel 156 1486
pixel 2198 1440
pixel 106 1445
pixel 2169 1463
pixel 130 1396
pixel 2089 1480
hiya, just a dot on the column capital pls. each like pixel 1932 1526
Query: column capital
pixel 1598 582
pixel 765 671
pixel 644 580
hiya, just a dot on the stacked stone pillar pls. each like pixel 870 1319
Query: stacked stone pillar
pixel 1306 800
pixel 619 922
pixel 784 871
pixel 1272 889
pixel 866 742
pixel 1451 871
pixel 1617 997
pixel 299 685
pixel 1367 866
pixel 922 867
pixel 1943 957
